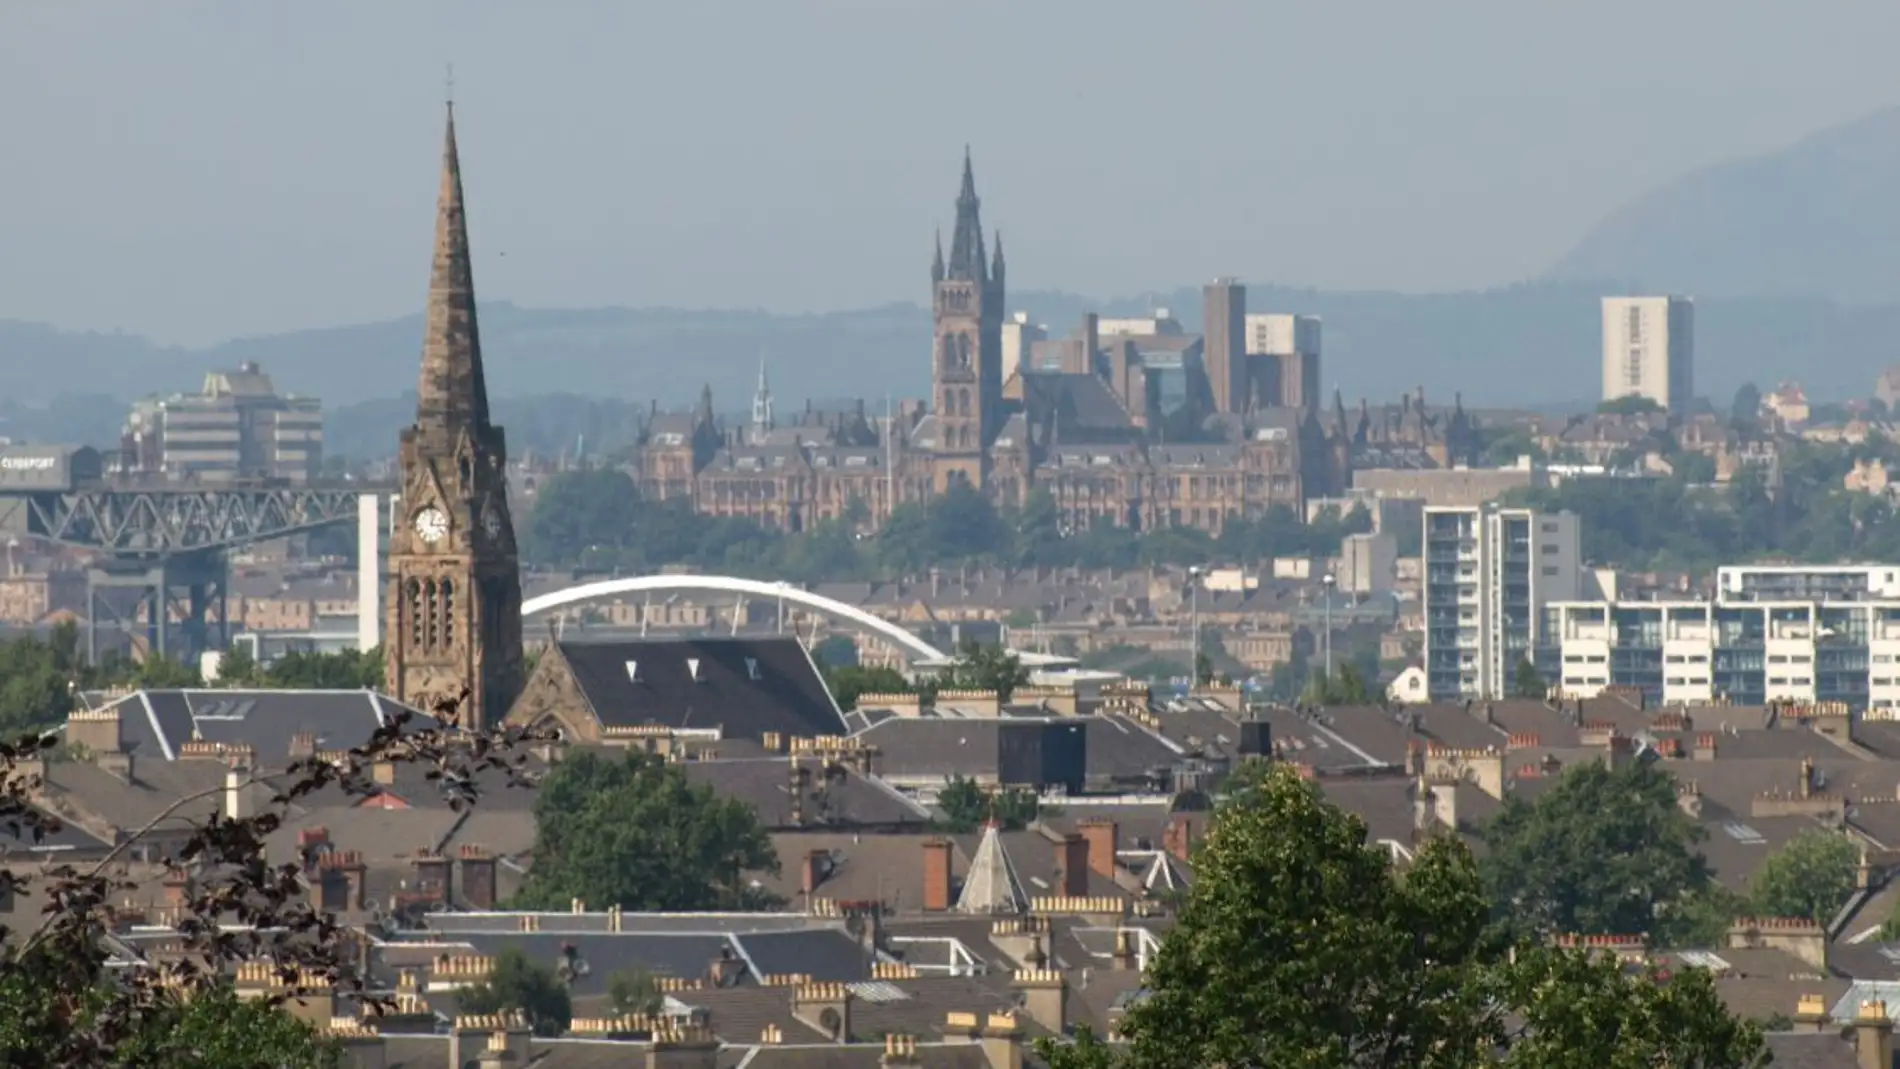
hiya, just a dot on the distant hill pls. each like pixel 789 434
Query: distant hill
pixel 1819 218
pixel 1524 346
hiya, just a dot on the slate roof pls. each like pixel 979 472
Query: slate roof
pixel 945 746
pixel 745 686
pixel 157 722
pixel 845 800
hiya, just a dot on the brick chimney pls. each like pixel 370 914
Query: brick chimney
pixel 1705 746
pixel 825 1007
pixel 1072 867
pixel 1104 839
pixel 937 874
pixel 435 876
pixel 347 868
pixel 1179 838
pixel 478 877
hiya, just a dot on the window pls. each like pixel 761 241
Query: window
pixel 1634 316
pixel 1550 569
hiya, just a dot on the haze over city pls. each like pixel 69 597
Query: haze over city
pixel 204 171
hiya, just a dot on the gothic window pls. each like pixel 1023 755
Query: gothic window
pixel 447 594
pixel 949 402
pixel 413 590
pixel 432 621
pixel 963 352
pixel 468 471
pixel 963 402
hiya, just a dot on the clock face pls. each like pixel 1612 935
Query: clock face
pixel 431 525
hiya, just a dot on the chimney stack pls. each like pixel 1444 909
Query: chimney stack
pixel 1873 1036
pixel 937 853
pixel 478 877
pixel 1104 840
pixel 1072 867
pixel 1178 839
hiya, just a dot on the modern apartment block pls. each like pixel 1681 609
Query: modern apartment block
pixel 1489 573
pixel 1649 350
pixel 1771 633
pixel 237 428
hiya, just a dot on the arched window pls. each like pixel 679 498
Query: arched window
pixel 447 594
pixel 432 622
pixel 412 591
pixel 963 402
pixel 949 402
pixel 963 352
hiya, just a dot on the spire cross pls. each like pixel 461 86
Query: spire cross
pixel 449 87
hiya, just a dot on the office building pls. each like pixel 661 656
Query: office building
pixel 1649 350
pixel 1489 573
pixel 1284 352
pixel 236 429
pixel 1019 339
pixel 1808 582
pixel 1224 343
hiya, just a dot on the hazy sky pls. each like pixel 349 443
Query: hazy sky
pixel 195 171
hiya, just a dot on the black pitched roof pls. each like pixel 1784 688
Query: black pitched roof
pixel 744 686
pixel 157 722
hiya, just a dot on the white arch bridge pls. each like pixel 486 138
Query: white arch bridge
pixel 744 589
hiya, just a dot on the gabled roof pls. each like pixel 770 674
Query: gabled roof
pixel 744 686
pixel 991 885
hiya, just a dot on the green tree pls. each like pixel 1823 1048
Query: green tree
pixel 1745 410
pixel 342 670
pixel 237 668
pixel 965 807
pixel 1203 669
pixel 1038 531
pixel 1604 852
pixel 1346 686
pixel 633 991
pixel 1811 876
pixel 212 1029
pixel 634 832
pixel 34 690
pixel 577 514
pixel 981 667
pixel 1629 405
pixel 163 673
pixel 515 983
pixel 1300 946
pixel 1528 682
pixel 848 683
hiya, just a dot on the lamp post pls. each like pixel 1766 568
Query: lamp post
pixel 1327 582
pixel 1194 625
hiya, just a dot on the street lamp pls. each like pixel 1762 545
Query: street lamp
pixel 1327 582
pixel 1194 624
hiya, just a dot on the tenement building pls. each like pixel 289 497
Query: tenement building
pixel 1132 422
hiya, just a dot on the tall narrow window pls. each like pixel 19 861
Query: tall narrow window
pixel 433 621
pixel 417 615
pixel 447 595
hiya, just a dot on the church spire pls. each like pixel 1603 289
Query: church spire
pixel 996 267
pixel 453 392
pixel 966 241
pixel 936 264
pixel 761 408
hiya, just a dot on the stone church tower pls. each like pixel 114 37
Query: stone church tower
pixel 967 365
pixel 454 597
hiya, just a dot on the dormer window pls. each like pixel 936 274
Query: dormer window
pixel 633 671
pixel 752 668
pixel 692 668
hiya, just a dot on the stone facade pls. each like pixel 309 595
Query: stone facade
pixel 454 598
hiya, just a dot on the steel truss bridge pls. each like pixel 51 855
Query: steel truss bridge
pixel 163 548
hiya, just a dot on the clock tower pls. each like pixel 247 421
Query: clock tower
pixel 454 595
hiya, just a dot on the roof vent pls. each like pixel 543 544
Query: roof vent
pixel 633 671
pixel 692 668
pixel 752 668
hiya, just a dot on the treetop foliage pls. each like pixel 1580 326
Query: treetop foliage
pixel 1301 945
pixel 634 832
pixel 595 519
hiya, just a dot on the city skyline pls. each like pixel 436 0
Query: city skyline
pixel 674 207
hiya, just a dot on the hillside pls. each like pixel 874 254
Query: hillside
pixel 1525 346
pixel 1819 218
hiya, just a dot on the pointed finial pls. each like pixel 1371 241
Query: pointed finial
pixel 449 90
pixel 969 175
